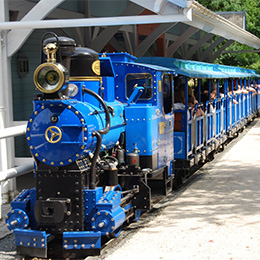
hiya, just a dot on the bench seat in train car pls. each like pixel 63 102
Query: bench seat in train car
pixel 149 118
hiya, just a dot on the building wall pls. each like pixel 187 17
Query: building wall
pixel 107 7
pixel 23 88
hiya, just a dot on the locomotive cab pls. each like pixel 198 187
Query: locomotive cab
pixel 149 118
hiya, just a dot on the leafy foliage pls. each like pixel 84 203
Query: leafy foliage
pixel 252 12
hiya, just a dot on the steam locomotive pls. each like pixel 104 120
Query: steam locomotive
pixel 104 133
pixel 94 140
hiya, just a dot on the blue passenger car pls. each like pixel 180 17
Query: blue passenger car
pixel 219 113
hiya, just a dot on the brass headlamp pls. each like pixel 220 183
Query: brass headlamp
pixel 50 77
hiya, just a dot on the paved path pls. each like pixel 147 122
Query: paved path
pixel 215 217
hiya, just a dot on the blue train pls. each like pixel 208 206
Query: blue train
pixel 106 130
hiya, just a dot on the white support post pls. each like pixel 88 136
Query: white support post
pixel 3 100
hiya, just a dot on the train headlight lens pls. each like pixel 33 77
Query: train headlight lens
pixel 50 77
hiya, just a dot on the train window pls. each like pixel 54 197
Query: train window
pixel 167 93
pixel 142 80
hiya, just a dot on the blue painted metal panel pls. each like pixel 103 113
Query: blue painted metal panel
pixel 106 67
pixel 228 108
pixel 179 145
pixel 209 118
pixel 119 57
pixel 246 105
pixel 238 109
pixel 218 118
pixel 242 101
pixel 81 240
pixel 141 129
pixel 254 102
pixel 224 106
pixel 31 238
pixel 91 198
pixel 109 89
pixel 189 133
pixel 199 132
pixel 124 85
pixel 233 112
pixel 93 85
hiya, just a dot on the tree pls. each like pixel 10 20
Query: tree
pixel 252 12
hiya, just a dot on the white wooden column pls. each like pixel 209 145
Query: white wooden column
pixel 6 145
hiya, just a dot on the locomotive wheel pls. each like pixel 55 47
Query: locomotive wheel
pixel 116 233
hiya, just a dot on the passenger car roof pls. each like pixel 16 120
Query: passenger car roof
pixel 196 69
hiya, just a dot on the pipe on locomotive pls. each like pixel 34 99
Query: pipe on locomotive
pixel 97 134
